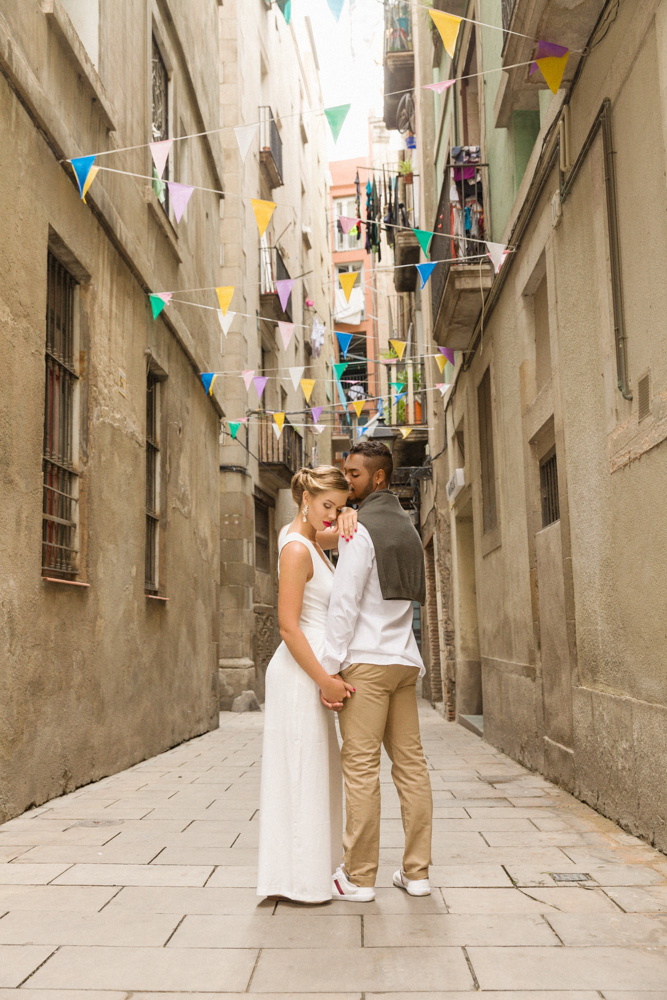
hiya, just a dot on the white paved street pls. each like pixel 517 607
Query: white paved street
pixel 142 884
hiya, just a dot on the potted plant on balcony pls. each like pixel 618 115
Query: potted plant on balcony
pixel 405 170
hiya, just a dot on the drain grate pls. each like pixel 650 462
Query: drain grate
pixel 570 876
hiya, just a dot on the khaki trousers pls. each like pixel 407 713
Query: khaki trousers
pixel 383 711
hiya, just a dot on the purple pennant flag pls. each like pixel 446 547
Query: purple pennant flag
pixel 260 384
pixel 448 352
pixel 547 49
pixel 284 289
pixel 180 196
pixel 316 411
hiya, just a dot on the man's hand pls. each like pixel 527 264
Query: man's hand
pixel 334 692
pixel 332 706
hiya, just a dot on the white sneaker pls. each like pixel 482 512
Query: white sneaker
pixel 342 888
pixel 415 887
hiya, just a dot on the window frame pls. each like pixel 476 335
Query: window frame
pixel 488 483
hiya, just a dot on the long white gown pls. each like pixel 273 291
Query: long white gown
pixel 301 802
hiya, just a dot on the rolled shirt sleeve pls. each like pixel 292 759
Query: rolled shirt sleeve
pixel 355 561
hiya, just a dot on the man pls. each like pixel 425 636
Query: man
pixel 371 642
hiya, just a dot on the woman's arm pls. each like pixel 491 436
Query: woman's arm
pixel 345 527
pixel 296 568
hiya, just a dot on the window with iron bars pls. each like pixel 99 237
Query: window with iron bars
pixel 160 126
pixel 549 488
pixel 152 482
pixel 60 479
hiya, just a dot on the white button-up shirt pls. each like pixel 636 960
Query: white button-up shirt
pixel 362 627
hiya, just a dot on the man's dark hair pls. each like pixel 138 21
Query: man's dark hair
pixel 376 455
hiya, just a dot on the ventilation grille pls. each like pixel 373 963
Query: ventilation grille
pixel 644 396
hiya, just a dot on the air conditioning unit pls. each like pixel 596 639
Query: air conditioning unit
pixel 455 484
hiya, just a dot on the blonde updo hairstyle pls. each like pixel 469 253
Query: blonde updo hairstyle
pixel 315 481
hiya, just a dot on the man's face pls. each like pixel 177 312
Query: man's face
pixel 359 478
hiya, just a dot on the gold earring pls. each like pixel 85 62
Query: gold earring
pixel 305 513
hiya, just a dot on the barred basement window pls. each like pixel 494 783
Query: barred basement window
pixel 60 479
pixel 160 127
pixel 262 537
pixel 549 488
pixel 152 481
pixel 484 407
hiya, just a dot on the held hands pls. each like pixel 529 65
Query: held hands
pixel 346 525
pixel 334 692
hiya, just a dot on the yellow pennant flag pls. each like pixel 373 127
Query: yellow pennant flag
pixel 92 174
pixel 308 384
pixel 441 361
pixel 347 282
pixel 280 420
pixel 399 346
pixel 553 69
pixel 263 211
pixel 448 26
pixel 405 431
pixel 225 297
pixel 358 405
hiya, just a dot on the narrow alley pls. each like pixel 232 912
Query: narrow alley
pixel 143 884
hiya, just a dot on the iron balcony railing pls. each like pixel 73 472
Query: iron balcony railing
pixel 396 388
pixel 270 142
pixel 397 26
pixel 460 217
pixel 271 269
pixel 285 452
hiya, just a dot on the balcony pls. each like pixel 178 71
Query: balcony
pixel 565 24
pixel 270 149
pixel 457 288
pixel 399 59
pixel 271 269
pixel 280 456
pixel 406 247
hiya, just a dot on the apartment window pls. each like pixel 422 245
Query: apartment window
pixel 152 482
pixel 262 536
pixel 489 510
pixel 350 241
pixel 161 111
pixel 549 488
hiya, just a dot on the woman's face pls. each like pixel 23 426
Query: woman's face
pixel 324 508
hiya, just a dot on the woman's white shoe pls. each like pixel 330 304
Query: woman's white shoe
pixel 415 887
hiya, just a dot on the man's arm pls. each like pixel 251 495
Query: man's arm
pixel 354 565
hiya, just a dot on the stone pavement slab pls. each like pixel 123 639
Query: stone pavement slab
pixel 16 963
pixel 109 928
pixel 571 968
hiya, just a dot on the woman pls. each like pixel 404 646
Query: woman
pixel 301 791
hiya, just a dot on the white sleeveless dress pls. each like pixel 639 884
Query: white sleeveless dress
pixel 301 807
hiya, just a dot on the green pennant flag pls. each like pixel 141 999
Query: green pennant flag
pixel 286 8
pixel 339 368
pixel 158 301
pixel 234 428
pixel 399 386
pixel 424 239
pixel 336 118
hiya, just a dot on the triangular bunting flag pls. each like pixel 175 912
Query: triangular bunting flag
pixel 497 253
pixel 358 405
pixel 439 87
pixel 399 346
pixel 247 377
pixel 442 386
pixel 286 8
pixel 180 196
pixel 424 239
pixel 263 211
pixel 92 174
pixel 226 320
pixel 225 296
pixel 208 378
pixel 234 427
pixel 284 289
pixel 244 136
pixel 347 281
pixel 82 165
pixel 160 152
pixel 158 301
pixel 448 26
pixel 296 374
pixel 286 331
pixel 277 431
pixel 448 353
pixel 399 396
pixel 552 69
pixel 319 427
pixel 339 368
pixel 405 431
pixel 425 270
pixel 260 384
pixel 398 386
pixel 441 361
pixel 316 412
pixel 336 7
pixel 336 118
pixel 546 50
pixel 308 384
pixel 280 420
pixel 344 339
pixel 347 222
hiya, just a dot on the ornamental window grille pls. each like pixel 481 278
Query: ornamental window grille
pixel 160 126
pixel 60 479
pixel 152 481
pixel 549 488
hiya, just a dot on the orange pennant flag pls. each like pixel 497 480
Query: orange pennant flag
pixel 225 297
pixel 263 211
pixel 308 384
pixel 347 282
pixel 280 420
pixel 448 26
pixel 441 361
pixel 399 346
pixel 553 69
pixel 358 405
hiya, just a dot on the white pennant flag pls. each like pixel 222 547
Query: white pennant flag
pixel 497 252
pixel 319 427
pixel 277 431
pixel 160 152
pixel 226 320
pixel 286 331
pixel 296 374
pixel 244 136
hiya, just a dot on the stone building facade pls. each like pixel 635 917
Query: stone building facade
pixel 109 467
pixel 555 547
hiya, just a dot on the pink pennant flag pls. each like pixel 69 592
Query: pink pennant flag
pixel 248 377
pixel 443 387
pixel 347 222
pixel 440 86
pixel 316 412
pixel 160 152
pixel 260 384
pixel 284 289
pixel 286 331
pixel 180 196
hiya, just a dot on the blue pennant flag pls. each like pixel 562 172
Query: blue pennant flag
pixel 82 166
pixel 399 396
pixel 425 270
pixel 208 378
pixel 336 7
pixel 344 339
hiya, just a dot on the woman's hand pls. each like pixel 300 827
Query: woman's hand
pixel 347 523
pixel 334 691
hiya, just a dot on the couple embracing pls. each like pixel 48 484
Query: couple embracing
pixel 348 647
